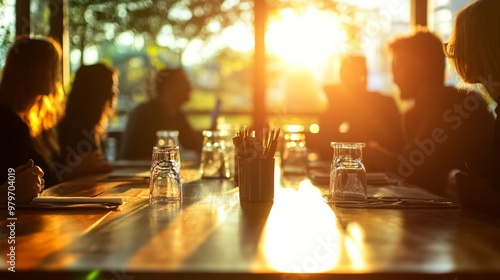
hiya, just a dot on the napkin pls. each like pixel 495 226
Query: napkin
pixel 397 204
pixel 52 202
pixel 394 197
pixel 372 178
pixel 78 199
pixel 127 174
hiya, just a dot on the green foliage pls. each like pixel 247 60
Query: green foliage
pixel 6 32
pixel 91 22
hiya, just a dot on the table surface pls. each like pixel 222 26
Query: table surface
pixel 214 235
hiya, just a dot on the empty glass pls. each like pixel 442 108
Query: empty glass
pixel 165 179
pixel 294 157
pixel 348 174
pixel 228 130
pixel 111 149
pixel 167 138
pixel 214 155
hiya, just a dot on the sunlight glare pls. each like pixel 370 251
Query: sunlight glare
pixel 306 38
pixel 354 245
pixel 239 37
pixel 300 235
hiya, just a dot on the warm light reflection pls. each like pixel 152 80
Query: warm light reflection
pixel 300 235
pixel 179 232
pixel 304 38
pixel 314 128
pixel 293 128
pixel 354 245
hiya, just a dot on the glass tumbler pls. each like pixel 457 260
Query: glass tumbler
pixel 214 155
pixel 165 180
pixel 348 174
pixel 167 138
pixel 294 157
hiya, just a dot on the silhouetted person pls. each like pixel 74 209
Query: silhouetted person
pixel 163 112
pixel 355 114
pixel 82 130
pixel 446 127
pixel 474 50
pixel 30 92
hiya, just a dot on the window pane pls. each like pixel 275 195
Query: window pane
pixel 441 15
pixel 305 44
pixel 7 27
pixel 40 17
pixel 140 38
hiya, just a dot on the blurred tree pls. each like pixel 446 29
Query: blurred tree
pixel 181 21
pixel 6 32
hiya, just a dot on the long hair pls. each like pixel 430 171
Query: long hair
pixel 31 87
pixel 91 100
pixel 475 43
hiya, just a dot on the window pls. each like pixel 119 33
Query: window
pixel 7 28
pixel 441 15
pixel 305 40
pixel 306 43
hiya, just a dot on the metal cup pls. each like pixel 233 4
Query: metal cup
pixel 256 179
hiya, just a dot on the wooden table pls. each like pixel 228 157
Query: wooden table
pixel 213 235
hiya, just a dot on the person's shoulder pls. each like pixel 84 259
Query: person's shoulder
pixel 333 89
pixel 379 95
pixel 6 113
pixel 144 108
pixel 467 97
pixel 376 98
pixel 11 121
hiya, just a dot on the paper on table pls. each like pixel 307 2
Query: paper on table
pixel 372 178
pixel 77 199
pixel 128 174
pixel 393 197
pixel 131 163
pixel 50 202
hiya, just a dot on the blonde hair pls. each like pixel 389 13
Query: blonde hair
pixel 32 73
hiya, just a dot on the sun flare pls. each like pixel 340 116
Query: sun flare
pixel 304 38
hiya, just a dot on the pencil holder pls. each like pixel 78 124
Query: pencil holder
pixel 256 179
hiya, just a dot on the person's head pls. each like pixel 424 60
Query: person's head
pixel 92 97
pixel 418 61
pixel 172 86
pixel 31 72
pixel 474 47
pixel 31 87
pixel 353 72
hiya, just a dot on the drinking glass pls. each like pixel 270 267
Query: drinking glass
pixel 214 155
pixel 228 130
pixel 348 174
pixel 111 149
pixel 294 157
pixel 167 138
pixel 165 179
